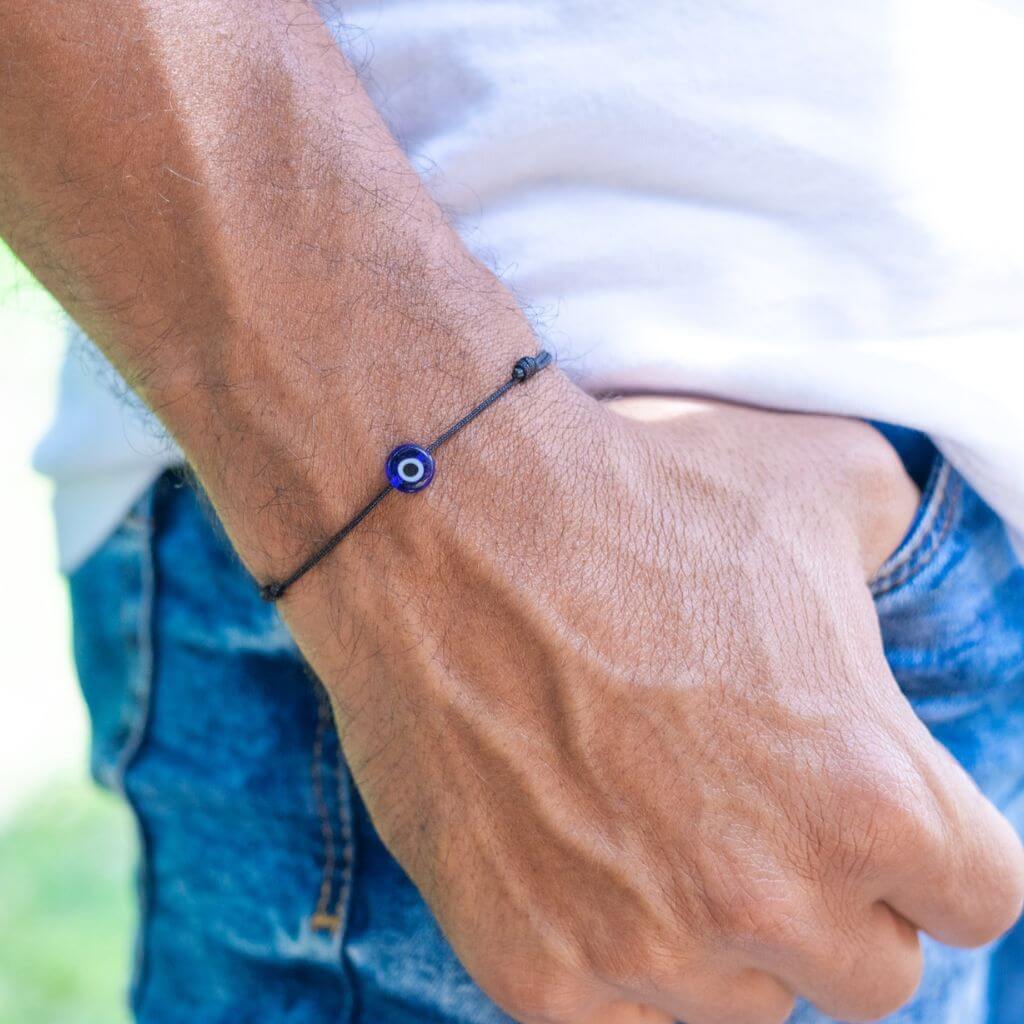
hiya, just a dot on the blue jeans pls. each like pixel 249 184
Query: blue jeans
pixel 264 892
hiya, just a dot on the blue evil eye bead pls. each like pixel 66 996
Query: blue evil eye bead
pixel 409 468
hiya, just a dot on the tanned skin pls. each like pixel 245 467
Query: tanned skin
pixel 612 689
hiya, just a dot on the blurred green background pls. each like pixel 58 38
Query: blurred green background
pixel 66 848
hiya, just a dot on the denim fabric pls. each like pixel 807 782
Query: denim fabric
pixel 264 891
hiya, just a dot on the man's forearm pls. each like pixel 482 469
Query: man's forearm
pixel 213 197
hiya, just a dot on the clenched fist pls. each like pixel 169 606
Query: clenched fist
pixel 615 695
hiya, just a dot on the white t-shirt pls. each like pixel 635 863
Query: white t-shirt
pixel 805 204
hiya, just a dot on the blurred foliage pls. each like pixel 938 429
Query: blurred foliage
pixel 66 909
pixel 66 913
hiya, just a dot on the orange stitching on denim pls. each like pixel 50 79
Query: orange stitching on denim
pixel 322 919
pixel 324 922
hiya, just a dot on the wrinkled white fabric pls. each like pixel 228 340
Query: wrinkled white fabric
pixel 805 205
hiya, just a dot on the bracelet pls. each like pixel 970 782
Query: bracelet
pixel 409 468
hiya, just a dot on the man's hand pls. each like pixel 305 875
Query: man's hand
pixel 613 692
pixel 615 696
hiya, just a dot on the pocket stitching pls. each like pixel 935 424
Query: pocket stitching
pixel 933 530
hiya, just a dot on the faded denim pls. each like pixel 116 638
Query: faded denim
pixel 264 892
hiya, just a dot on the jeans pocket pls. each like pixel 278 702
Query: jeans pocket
pixel 929 530
pixel 950 601
pixel 112 599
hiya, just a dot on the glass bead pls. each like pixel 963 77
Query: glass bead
pixel 409 468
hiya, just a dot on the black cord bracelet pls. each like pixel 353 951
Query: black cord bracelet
pixel 409 468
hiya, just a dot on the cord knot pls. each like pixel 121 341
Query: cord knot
pixel 527 366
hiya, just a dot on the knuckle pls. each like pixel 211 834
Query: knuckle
pixel 764 1000
pixel 775 1008
pixel 981 893
pixel 882 820
pixel 884 809
pixel 898 990
pixel 979 925
pixel 996 900
pixel 892 985
pixel 877 1005
pixel 741 1015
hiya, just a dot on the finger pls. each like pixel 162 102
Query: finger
pixel 960 876
pixel 745 996
pixel 617 1013
pixel 630 1013
pixel 533 998
pixel 860 973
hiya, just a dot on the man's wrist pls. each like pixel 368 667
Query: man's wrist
pixel 255 256
pixel 301 469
